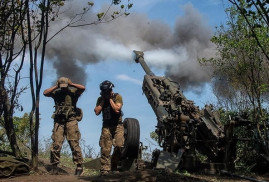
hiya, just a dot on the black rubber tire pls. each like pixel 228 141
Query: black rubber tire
pixel 132 138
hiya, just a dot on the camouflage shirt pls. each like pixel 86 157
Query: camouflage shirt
pixel 65 103
pixel 110 117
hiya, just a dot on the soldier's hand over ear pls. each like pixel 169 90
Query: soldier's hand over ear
pixel 111 95
pixel 69 82
pixel 57 84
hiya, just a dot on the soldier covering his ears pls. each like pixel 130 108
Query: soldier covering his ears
pixel 66 117
pixel 110 105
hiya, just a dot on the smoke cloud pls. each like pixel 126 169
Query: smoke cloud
pixel 174 50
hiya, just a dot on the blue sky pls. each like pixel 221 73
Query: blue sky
pixel 169 10
pixel 121 70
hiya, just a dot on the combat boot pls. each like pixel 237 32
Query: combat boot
pixel 79 170
pixel 55 169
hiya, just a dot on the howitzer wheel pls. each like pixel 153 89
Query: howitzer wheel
pixel 132 138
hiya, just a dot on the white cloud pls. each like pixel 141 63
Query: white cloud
pixel 127 78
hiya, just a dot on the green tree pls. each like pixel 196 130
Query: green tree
pixel 12 15
pixel 241 70
pixel 240 65
pixel 22 132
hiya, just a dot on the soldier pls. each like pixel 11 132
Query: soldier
pixel 66 117
pixel 110 105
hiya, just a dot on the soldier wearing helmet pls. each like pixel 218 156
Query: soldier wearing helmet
pixel 66 117
pixel 110 105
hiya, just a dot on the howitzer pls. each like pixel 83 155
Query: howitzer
pixel 181 125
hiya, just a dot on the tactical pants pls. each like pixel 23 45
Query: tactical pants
pixel 69 130
pixel 111 135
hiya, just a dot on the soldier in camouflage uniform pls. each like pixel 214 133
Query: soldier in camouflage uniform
pixel 110 105
pixel 66 117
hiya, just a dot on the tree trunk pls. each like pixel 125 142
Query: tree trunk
pixel 9 127
pixel 35 146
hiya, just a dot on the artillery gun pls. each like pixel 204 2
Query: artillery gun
pixel 183 128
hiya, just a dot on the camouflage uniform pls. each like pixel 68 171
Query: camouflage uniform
pixel 66 118
pixel 112 134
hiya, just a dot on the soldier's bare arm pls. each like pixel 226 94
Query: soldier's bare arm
pixel 80 87
pixel 48 91
pixel 115 106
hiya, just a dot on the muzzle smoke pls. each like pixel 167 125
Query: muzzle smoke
pixel 173 49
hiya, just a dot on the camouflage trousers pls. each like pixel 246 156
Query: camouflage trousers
pixel 111 135
pixel 70 131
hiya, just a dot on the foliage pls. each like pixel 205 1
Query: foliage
pixel 249 143
pixel 240 77
pixel 154 136
pixel 123 10
pixel 44 148
pixel 66 154
pixel 240 66
pixel 88 150
pixel 3 138
pixel 22 132
pixel 183 173
pixel 12 14
pixel 256 16
pixel 22 129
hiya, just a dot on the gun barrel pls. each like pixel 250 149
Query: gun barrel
pixel 139 58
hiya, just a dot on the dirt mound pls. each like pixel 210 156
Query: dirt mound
pixel 143 175
pixel 149 175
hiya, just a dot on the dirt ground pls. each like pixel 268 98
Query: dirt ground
pixel 148 175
